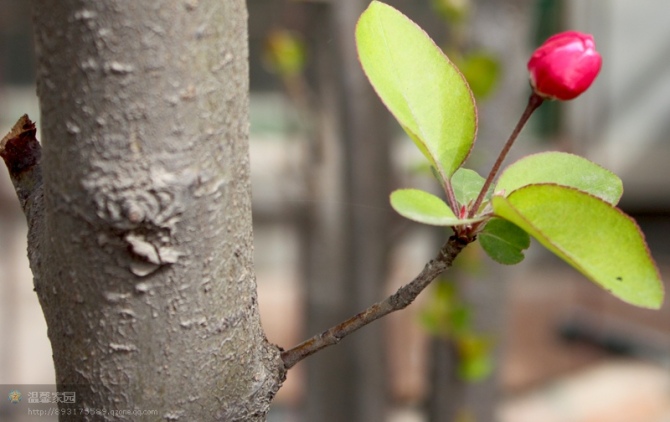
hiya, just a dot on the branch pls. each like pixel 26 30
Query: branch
pixel 22 152
pixel 399 300
pixel 533 103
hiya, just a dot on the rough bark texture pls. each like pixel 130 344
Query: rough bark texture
pixel 143 254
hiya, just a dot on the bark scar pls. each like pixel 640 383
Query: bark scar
pixel 151 255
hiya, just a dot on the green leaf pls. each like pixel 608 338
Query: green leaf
pixel 476 368
pixel 425 92
pixel 590 234
pixel 475 357
pixel 446 314
pixel 426 208
pixel 284 53
pixel 443 301
pixel 562 169
pixel 466 184
pixel 453 11
pixel 504 241
pixel 482 71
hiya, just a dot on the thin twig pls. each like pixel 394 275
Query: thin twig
pixel 533 103
pixel 399 300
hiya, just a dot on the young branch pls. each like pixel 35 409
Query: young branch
pixel 533 103
pixel 451 196
pixel 22 154
pixel 399 300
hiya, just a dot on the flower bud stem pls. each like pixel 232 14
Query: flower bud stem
pixel 533 103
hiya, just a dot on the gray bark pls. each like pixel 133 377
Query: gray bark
pixel 143 263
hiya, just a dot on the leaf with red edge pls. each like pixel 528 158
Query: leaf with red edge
pixel 593 236
pixel 425 91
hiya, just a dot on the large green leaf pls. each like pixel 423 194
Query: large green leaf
pixel 590 234
pixel 425 92
pixel 562 169
pixel 426 208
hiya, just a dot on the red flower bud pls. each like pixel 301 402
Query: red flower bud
pixel 564 66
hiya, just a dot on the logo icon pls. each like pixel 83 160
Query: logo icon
pixel 14 396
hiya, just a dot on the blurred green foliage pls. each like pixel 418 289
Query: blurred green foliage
pixel 285 53
pixel 480 67
pixel 446 316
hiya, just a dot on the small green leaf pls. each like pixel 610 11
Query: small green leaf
pixel 438 313
pixel 453 11
pixel 475 357
pixel 426 208
pixel 467 184
pixel 590 234
pixel 482 71
pixel 562 169
pixel 425 92
pixel 476 368
pixel 284 53
pixel 504 241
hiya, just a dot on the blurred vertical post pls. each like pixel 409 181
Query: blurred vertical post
pixel 344 231
pixel 502 28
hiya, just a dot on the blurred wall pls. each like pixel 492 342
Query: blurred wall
pixel 623 122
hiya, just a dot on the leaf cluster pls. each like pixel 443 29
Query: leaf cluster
pixel 566 202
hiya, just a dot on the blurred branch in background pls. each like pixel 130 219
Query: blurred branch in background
pixel 465 329
pixel 343 222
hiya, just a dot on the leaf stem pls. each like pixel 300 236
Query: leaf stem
pixel 533 103
pixel 451 196
pixel 399 300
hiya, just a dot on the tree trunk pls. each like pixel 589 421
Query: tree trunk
pixel 142 246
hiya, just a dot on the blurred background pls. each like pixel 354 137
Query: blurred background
pixel 533 342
